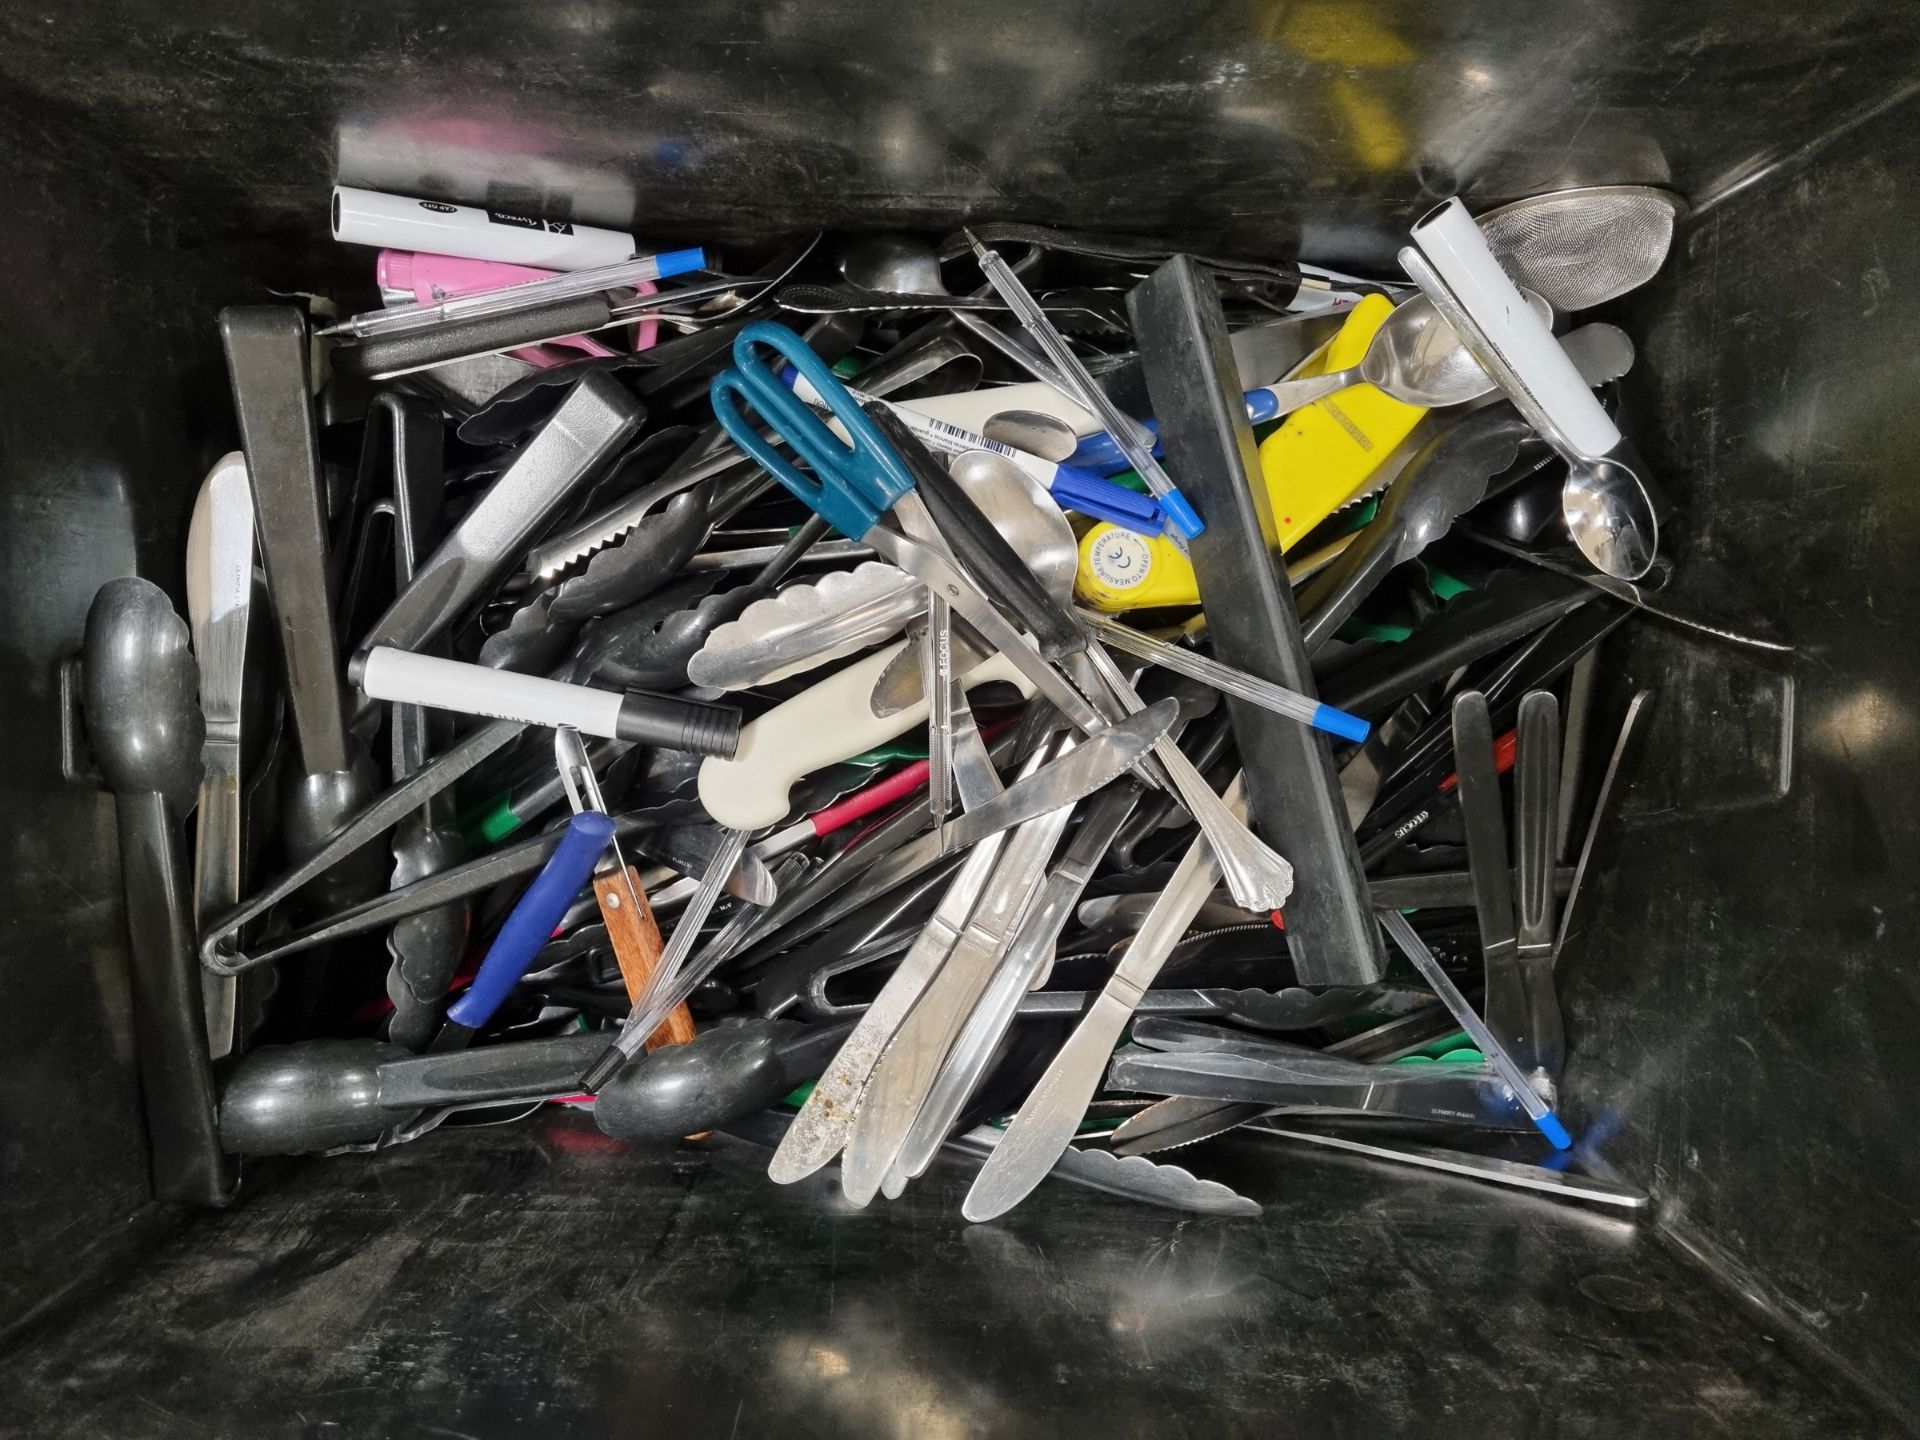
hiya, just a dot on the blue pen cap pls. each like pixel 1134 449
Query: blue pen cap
pixel 1180 514
pixel 680 262
pixel 1339 722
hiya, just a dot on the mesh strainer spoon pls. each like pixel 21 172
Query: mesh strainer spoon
pixel 1580 248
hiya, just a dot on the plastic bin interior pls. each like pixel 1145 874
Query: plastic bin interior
pixel 1742 995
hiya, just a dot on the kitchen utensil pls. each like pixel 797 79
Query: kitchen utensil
pixel 1645 595
pixel 904 265
pixel 319 1095
pixel 643 1019
pixel 1536 802
pixel 1594 849
pixel 457 882
pixel 666 721
pixel 884 469
pixel 1227 680
pixel 1538 1110
pixel 1583 247
pixel 219 601
pixel 1070 488
pixel 804 626
pixel 1415 357
pixel 713 455
pixel 1387 839
pixel 1609 506
pixel 901 1082
pixel 826 1120
pixel 541 630
pixel 1032 407
pixel 1558 1183
pixel 219 951
pixel 406 437
pixel 1292 786
pixel 1446 478
pixel 1024 964
pixel 1521 1006
pixel 1183 1120
pixel 533 919
pixel 1514 604
pixel 1452 1093
pixel 936 671
pixel 616 888
pixel 596 417
pixel 1046 1121
pixel 653 648
pixel 388 357
pixel 146 732
pixel 267 356
pixel 1038 533
pixel 1166 1186
pixel 1128 433
pixel 729 1070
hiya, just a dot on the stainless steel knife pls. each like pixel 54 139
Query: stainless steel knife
pixel 219 596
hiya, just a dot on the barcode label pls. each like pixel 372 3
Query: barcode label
pixel 952 439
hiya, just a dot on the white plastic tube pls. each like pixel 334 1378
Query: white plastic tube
pixel 1458 252
pixel 391 674
pixel 399 222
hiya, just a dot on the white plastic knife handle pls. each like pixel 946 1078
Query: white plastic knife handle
pixel 1457 250
pixel 823 725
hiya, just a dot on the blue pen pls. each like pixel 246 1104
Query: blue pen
pixel 1124 430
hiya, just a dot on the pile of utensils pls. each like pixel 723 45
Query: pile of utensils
pixel 711 726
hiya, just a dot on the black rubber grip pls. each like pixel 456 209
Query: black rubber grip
pixel 983 552
pixel 671 723
pixel 377 358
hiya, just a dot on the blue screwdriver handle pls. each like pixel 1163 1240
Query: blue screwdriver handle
pixel 533 918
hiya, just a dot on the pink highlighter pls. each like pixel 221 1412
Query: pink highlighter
pixel 405 276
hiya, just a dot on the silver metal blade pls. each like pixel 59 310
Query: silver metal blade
pixel 220 590
pixel 1046 1123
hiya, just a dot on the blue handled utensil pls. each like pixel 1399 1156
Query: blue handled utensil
pixel 528 926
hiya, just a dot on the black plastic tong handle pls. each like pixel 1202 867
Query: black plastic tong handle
pixel 983 552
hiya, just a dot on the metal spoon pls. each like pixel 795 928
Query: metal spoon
pixel 724 1073
pixel 1415 356
pixel 1607 502
pixel 146 731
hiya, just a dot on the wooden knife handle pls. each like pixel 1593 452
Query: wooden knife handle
pixel 637 946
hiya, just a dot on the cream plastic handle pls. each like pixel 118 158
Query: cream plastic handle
pixel 823 725
pixel 972 409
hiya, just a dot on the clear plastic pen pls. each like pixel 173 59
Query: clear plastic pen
pixel 1415 949
pixel 1134 441
pixel 511 299
pixel 1226 679
pixel 635 1032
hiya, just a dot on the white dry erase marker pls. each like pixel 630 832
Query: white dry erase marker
pixel 398 222
pixel 665 721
